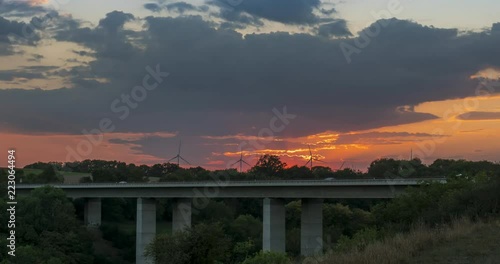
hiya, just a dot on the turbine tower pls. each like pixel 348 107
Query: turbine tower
pixel 179 157
pixel 241 161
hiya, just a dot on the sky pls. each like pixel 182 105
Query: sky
pixel 354 81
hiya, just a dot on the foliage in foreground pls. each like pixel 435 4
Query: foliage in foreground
pixel 268 258
pixel 402 247
pixel 203 244
pixel 47 230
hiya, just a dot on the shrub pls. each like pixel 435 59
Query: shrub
pixel 268 258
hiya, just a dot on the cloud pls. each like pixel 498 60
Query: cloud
pixel 115 21
pixel 479 116
pixel 337 28
pixel 107 40
pixel 19 8
pixel 154 7
pixel 180 7
pixel 176 7
pixel 36 58
pixel 224 83
pixel 328 11
pixel 284 11
pixel 495 28
pixel 13 32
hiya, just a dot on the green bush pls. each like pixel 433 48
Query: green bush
pixel 359 241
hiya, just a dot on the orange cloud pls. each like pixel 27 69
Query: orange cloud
pixel 38 2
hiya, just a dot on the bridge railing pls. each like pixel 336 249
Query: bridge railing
pixel 223 183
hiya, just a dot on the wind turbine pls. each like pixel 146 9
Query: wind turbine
pixel 311 158
pixel 179 157
pixel 341 166
pixel 241 161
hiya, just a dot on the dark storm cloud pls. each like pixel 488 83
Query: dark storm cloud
pixel 239 20
pixel 115 20
pixel 108 39
pixel 223 83
pixel 36 57
pixel 154 7
pixel 83 53
pixel 337 28
pixel 496 27
pixel 181 7
pixel 26 72
pixel 479 116
pixel 177 7
pixel 12 32
pixel 284 11
pixel 10 75
pixel 328 11
pixel 16 8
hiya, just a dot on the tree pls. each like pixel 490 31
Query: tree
pixel 48 230
pixel 203 244
pixel 104 175
pixel 296 173
pixel 247 228
pixel 269 166
pixel 48 175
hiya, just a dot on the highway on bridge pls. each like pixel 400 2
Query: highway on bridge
pixel 376 188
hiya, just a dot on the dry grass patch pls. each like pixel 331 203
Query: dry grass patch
pixel 403 247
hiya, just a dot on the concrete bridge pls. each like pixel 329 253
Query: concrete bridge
pixel 188 194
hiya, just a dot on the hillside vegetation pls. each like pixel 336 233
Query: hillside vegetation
pixel 423 225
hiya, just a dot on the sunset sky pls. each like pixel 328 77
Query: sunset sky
pixel 355 80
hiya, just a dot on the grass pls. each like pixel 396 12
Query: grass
pixel 481 246
pixel 461 242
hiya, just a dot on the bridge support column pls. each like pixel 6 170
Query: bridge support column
pixel 311 228
pixel 273 238
pixel 181 215
pixel 92 212
pixel 146 228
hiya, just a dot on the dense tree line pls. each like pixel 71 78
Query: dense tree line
pixel 268 167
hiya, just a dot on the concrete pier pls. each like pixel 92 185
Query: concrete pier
pixel 92 212
pixel 311 228
pixel 274 231
pixel 181 214
pixel 146 228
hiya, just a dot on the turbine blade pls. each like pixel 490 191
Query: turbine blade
pixel 307 162
pixel 234 163
pixel 246 163
pixel 172 159
pixel 184 160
